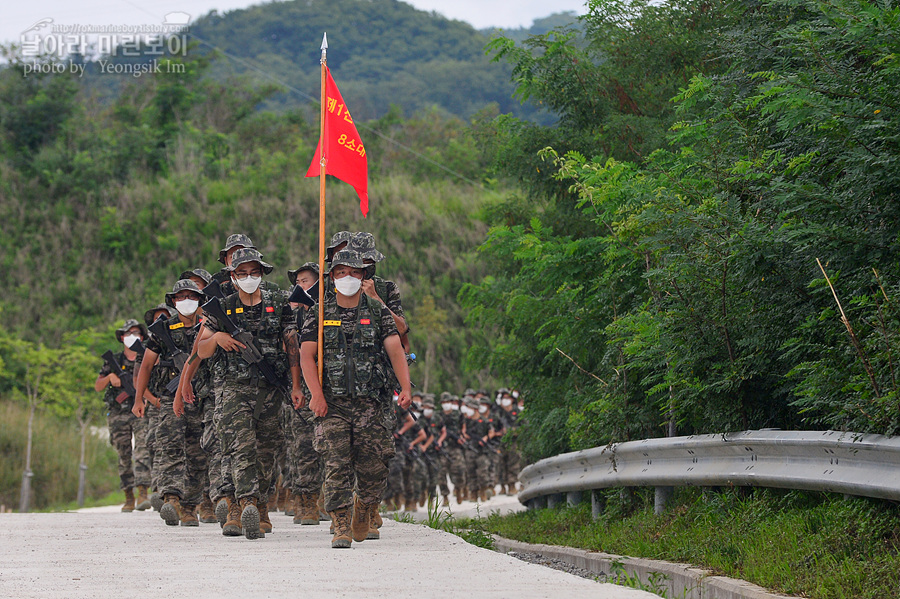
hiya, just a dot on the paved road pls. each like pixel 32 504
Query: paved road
pixel 104 553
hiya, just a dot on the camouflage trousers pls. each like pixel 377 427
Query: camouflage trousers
pixel 182 464
pixel 510 464
pixel 123 425
pixel 478 469
pixel 151 415
pixel 250 432
pixel 209 443
pixel 415 476
pixel 350 438
pixel 455 463
pixel 306 464
pixel 220 482
pixel 396 466
pixel 437 474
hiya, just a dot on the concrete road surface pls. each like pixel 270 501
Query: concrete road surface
pixel 104 553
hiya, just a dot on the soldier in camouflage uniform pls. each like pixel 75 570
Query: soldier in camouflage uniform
pixel 155 387
pixel 415 474
pixel 122 423
pixel 433 422
pixel 306 471
pixel 250 424
pixel 347 403
pixel 182 464
pixel 510 459
pixel 453 457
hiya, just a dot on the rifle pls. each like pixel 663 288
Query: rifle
pixel 178 356
pixel 138 348
pixel 250 352
pixel 214 289
pixel 125 377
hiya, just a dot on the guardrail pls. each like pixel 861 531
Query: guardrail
pixel 831 461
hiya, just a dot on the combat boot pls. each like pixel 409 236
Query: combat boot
pixel 410 506
pixel 482 495
pixel 222 511
pixel 341 519
pixel 308 513
pixel 189 515
pixel 129 500
pixel 156 501
pixel 457 492
pixel 289 503
pixel 265 524
pixel 446 502
pixel 232 526
pixel 282 497
pixel 250 518
pixel 320 507
pixel 359 524
pixel 376 518
pixel 143 502
pixel 171 509
pixel 207 513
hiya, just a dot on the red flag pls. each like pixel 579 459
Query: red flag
pixel 345 155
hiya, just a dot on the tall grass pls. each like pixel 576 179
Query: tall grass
pixel 820 546
pixel 55 452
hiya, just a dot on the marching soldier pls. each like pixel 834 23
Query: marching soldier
pixel 155 388
pixel 123 425
pixel 182 464
pixel 454 457
pixel 250 425
pixel 350 418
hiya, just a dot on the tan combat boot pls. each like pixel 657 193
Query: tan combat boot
pixel 457 492
pixel 189 515
pixel 446 502
pixel 206 511
pixel 309 510
pixel 288 503
pixel 129 501
pixel 250 518
pixel 376 518
pixel 297 508
pixel 410 505
pixel 232 526
pixel 341 519
pixel 143 502
pixel 156 501
pixel 171 509
pixel 265 524
pixel 359 524
pixel 222 511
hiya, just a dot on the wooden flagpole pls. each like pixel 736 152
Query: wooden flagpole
pixel 322 159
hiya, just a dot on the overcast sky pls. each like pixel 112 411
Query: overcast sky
pixel 19 15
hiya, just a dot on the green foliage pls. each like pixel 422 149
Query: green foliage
pixel 56 447
pixel 812 545
pixel 660 277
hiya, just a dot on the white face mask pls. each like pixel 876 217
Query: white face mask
pixel 454 407
pixel 446 406
pixel 348 285
pixel 186 307
pixel 249 285
pixel 128 340
pixel 507 402
pixel 427 412
pixel 483 409
pixel 515 394
pixel 467 411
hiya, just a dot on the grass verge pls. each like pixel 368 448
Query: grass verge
pixel 820 546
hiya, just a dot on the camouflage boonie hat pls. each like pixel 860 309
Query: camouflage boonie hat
pixel 446 395
pixel 181 285
pixel 197 272
pixel 428 402
pixel 336 240
pixel 364 243
pixel 148 315
pixel 310 266
pixel 470 401
pixel 234 240
pixel 470 391
pixel 486 399
pixel 129 324
pixel 347 258
pixel 502 391
pixel 244 255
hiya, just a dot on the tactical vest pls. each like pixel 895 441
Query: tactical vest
pixel 267 335
pixel 453 422
pixel 352 370
pixel 112 393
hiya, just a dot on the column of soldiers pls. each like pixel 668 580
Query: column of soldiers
pixel 221 391
pixel 469 441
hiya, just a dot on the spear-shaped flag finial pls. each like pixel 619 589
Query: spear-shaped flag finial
pixel 324 46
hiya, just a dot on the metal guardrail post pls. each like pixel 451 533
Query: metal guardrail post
pixel 661 497
pixel 573 498
pixel 596 504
